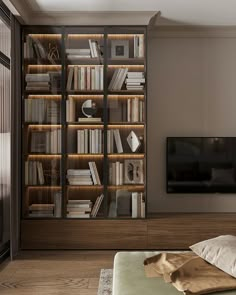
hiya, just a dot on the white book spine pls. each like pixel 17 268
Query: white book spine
pixel 78 141
pixel 141 46
pixel 93 79
pixel 88 84
pixel 134 205
pixel 129 110
pixel 121 168
pixel 92 173
pixel 97 78
pixel 117 173
pixel 101 78
pixel 86 141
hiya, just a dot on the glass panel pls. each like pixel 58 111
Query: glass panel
pixel 5 39
pixel 42 126
pixel 5 148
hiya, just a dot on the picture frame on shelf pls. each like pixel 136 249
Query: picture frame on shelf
pixel 133 171
pixel 119 49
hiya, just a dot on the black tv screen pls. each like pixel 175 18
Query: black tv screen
pixel 201 164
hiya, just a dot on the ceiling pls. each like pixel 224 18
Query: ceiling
pixel 196 12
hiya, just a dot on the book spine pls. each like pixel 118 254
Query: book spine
pixel 134 205
pixel 129 110
pixel 92 173
pixel 75 77
pixel 88 78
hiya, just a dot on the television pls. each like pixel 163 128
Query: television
pixel 201 165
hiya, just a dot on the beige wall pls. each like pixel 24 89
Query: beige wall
pixel 191 92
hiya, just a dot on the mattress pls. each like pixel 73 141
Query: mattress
pixel 129 277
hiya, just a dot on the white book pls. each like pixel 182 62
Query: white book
pixel 121 174
pixel 99 141
pixel 90 141
pixel 135 110
pixel 135 80
pixel 41 179
pixel 117 79
pixel 96 140
pixel 82 78
pixel 141 46
pixel 75 77
pixel 91 48
pixel 77 56
pixel 78 142
pixel 96 173
pixel 141 111
pixel 117 173
pixel 88 82
pixel 75 51
pixel 59 141
pixel 72 109
pixel 122 78
pixel 129 110
pixel 93 79
pixel 98 205
pixel 95 49
pixel 82 141
pixel 92 173
pixel 101 78
pixel 97 78
pixel 134 204
pixel 118 141
pixel 135 46
pixel 86 147
pixel 93 142
pixel 95 207
pixel 79 78
pixel 143 206
pixel 113 169
pixel 113 79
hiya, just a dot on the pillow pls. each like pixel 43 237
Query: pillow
pixel 220 252
pixel 223 176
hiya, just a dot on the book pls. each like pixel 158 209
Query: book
pixel 97 206
pixel 75 77
pixel 69 79
pixel 118 141
pixel 96 173
pixel 93 173
pixel 135 201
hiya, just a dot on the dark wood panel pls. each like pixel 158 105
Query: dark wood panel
pixel 179 231
pixel 83 234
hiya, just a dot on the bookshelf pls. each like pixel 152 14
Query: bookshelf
pixel 84 122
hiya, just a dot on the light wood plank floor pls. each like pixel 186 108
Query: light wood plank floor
pixel 54 272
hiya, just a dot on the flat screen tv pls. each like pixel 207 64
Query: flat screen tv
pixel 201 164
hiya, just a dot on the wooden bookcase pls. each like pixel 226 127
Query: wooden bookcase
pixel 58 135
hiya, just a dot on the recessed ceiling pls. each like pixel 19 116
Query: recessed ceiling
pixel 198 12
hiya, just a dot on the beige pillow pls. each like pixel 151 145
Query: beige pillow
pixel 220 251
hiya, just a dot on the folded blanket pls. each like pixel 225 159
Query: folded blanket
pixel 188 273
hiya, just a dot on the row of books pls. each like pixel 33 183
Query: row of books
pixel 85 78
pixel 79 208
pixel 45 209
pixel 135 81
pixel 113 136
pixel 42 110
pixel 116 174
pixel 138 205
pixel 84 208
pixel 50 81
pixel 135 110
pixel 138 45
pixel 84 176
pixel 89 141
pixel 46 142
pixel 94 51
pixel 34 174
pixel 118 79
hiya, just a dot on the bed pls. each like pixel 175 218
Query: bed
pixel 129 277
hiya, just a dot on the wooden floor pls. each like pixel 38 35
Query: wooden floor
pixel 54 272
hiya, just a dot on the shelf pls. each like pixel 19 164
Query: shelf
pixel 41 124
pixel 49 96
pixel 85 61
pixel 128 156
pixel 125 126
pixel 45 62
pixel 43 156
pixel 84 92
pixel 85 123
pixel 112 92
pixel 128 61
pixel 44 92
pixel 86 187
pixel 85 155
pixel 126 186
pixel 126 123
pixel 44 126
pixel 57 187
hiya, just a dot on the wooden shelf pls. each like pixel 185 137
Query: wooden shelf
pixel 46 62
pixel 86 187
pixel 128 61
pixel 126 92
pixel 84 92
pixel 85 61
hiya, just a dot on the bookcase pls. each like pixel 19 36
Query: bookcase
pixel 84 122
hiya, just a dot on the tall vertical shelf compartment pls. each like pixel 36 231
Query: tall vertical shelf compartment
pixel 70 159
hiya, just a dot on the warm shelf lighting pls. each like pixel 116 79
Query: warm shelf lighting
pixel 129 156
pixel 51 36
pixel 136 67
pixel 128 187
pixel 78 65
pixel 123 36
pixel 53 156
pixel 125 96
pixel 44 126
pixel 86 126
pixel 48 187
pixel 85 156
pixel 128 126
pixel 84 187
pixel 51 96
pixel 89 96
pixel 85 36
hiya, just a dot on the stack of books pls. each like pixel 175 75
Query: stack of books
pixel 37 82
pixel 116 173
pixel 85 78
pixel 41 210
pixel 135 81
pixel 34 174
pixel 84 176
pixel 138 205
pixel 138 45
pixel 79 177
pixel 48 142
pixel 79 208
pixel 118 79
pixel 74 54
pixel 95 49
pixel 41 110
pixel 135 110
pixel 111 135
pixel 89 141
